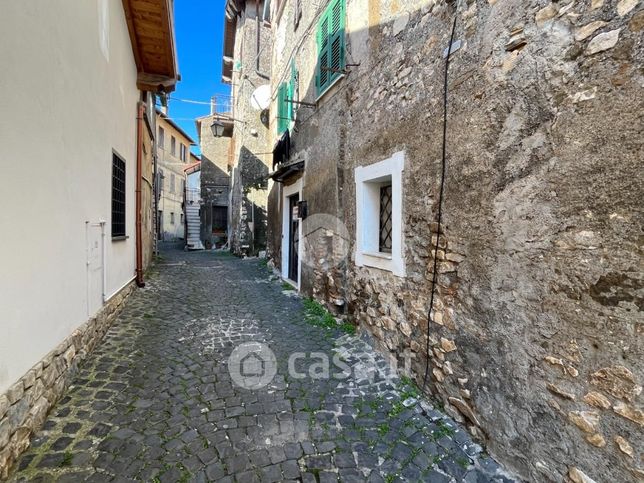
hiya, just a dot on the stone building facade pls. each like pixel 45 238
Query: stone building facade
pixel 246 67
pixel 215 183
pixel 535 340
pixel 173 157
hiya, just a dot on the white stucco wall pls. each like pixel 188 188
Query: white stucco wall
pixel 67 99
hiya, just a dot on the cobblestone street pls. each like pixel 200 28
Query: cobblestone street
pixel 155 400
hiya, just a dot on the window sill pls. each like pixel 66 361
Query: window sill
pixel 329 87
pixel 120 238
pixel 383 255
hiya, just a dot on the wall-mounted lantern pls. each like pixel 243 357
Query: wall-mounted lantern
pixel 217 127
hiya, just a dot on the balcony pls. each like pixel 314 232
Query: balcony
pixel 222 105
pixel 193 196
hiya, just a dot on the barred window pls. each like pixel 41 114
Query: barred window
pixel 379 215
pixel 384 244
pixel 118 196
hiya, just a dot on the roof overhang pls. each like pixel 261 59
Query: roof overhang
pixel 233 10
pixel 284 172
pixel 193 168
pixel 151 27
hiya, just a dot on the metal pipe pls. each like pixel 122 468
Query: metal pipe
pixel 120 288
pixel 104 260
pixel 155 189
pixel 139 175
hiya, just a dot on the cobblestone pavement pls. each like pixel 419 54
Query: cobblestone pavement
pixel 155 400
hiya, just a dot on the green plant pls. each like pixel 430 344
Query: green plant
pixel 408 388
pixel 397 408
pixel 67 459
pixel 442 430
pixel 316 314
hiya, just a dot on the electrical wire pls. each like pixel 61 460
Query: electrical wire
pixel 440 197
pixel 190 101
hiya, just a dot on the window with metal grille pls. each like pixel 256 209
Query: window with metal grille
pixel 118 196
pixel 379 215
pixel 330 41
pixel 384 242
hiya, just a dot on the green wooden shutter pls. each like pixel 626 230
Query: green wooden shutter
pixel 331 45
pixel 323 53
pixel 336 39
pixel 282 113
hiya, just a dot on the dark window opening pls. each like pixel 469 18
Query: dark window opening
pixel 161 138
pixel 385 219
pixel 298 12
pixel 118 197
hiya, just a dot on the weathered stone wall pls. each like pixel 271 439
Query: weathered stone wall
pixel 147 193
pixel 250 143
pixel 215 180
pixel 536 341
pixel 24 406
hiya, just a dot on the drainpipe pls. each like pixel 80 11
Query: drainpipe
pixel 139 175
pixel 103 223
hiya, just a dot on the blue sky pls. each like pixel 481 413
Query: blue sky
pixel 199 35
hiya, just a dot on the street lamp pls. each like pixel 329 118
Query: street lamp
pixel 217 128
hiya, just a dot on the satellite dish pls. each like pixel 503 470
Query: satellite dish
pixel 260 99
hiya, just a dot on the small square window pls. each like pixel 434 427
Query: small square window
pixel 379 242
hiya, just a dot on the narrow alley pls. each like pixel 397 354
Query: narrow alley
pixel 155 401
pixel 336 240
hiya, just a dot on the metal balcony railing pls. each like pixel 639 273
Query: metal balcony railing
pixel 193 196
pixel 222 105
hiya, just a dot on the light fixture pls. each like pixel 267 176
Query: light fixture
pixel 217 128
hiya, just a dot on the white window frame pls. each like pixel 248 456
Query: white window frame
pixel 368 181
